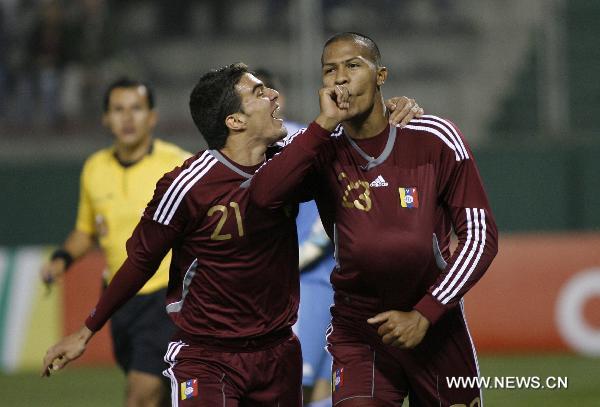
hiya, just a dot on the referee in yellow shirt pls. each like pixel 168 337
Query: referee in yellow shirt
pixel 116 184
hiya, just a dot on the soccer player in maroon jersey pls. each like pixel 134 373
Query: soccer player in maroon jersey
pixel 389 198
pixel 234 282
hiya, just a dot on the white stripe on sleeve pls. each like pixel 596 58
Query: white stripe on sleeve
pixel 436 133
pixel 174 185
pixel 183 183
pixel 452 136
pixel 452 129
pixel 476 262
pixel 460 256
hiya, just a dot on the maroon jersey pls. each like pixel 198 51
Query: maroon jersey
pixel 234 271
pixel 389 204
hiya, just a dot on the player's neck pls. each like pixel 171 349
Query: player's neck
pixel 244 152
pixel 133 153
pixel 369 124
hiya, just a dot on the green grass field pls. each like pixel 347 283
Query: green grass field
pixel 104 386
pixel 583 376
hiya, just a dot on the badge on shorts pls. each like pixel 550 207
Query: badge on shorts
pixel 189 389
pixel 409 197
pixel 337 380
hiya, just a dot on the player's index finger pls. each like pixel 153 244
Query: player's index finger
pixel 46 369
pixel 378 318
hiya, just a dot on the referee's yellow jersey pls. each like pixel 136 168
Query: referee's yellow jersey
pixel 113 197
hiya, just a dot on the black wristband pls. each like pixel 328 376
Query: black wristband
pixel 62 254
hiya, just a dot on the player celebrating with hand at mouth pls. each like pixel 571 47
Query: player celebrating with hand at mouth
pixel 389 199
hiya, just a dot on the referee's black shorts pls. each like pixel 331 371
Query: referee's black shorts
pixel 141 330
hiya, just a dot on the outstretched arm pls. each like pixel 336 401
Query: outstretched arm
pixel 146 248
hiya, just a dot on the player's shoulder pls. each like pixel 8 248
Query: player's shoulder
pixel 434 127
pixel 191 171
pixel 437 132
pixel 187 183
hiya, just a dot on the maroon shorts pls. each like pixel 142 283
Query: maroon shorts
pixel 208 375
pixel 364 367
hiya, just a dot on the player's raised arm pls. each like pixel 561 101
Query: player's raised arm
pixel 462 191
pixel 276 182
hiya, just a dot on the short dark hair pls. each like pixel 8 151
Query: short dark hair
pixel 358 37
pixel 125 82
pixel 213 99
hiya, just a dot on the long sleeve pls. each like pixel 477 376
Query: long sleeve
pixel 466 203
pixel 146 248
pixel 278 181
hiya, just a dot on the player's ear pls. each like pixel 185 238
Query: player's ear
pixel 381 75
pixel 236 121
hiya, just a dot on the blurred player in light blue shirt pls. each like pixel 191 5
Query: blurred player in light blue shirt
pixel 316 296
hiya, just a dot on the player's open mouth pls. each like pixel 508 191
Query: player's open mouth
pixel 275 113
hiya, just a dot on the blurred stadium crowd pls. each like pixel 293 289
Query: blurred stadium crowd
pixel 509 70
pixel 57 55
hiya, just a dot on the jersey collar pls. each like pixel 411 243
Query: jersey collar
pixel 372 161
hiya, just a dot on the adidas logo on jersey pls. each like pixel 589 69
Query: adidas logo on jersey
pixel 379 182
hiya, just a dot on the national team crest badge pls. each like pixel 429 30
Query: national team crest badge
pixel 189 389
pixel 409 197
pixel 337 380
